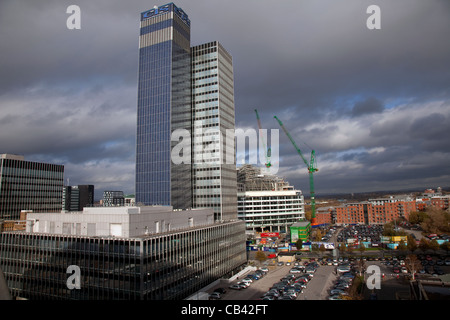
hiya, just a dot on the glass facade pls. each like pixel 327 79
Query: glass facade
pixel 113 198
pixel 163 106
pixel 26 185
pixel 168 266
pixel 214 182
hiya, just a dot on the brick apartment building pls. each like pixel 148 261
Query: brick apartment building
pixel 371 213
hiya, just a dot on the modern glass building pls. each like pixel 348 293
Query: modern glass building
pixel 166 265
pixel 164 105
pixel 188 88
pixel 113 198
pixel 75 198
pixel 27 185
pixel 214 183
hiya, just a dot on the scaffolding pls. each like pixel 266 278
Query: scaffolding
pixel 250 178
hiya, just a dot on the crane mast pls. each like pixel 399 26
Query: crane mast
pixel 268 152
pixel 312 167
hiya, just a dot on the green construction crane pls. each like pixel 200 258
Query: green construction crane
pixel 312 167
pixel 268 152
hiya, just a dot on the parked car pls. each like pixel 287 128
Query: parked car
pixel 343 284
pixel 338 291
pixel 214 296
pixel 235 287
pixel 335 297
pixel 220 290
pixel 344 268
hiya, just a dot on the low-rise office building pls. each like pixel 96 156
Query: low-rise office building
pixel 130 253
pixel 29 185
pixel 267 202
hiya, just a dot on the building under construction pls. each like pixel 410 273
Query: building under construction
pixel 267 202
pixel 249 178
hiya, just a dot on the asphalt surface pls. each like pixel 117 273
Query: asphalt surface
pixel 316 289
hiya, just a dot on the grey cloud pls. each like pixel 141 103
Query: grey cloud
pixel 312 63
pixel 368 106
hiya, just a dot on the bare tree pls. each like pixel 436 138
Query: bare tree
pixel 412 264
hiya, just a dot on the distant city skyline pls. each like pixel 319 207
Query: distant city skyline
pixel 373 104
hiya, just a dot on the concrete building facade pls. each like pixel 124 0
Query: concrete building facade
pixel 267 203
pixel 130 262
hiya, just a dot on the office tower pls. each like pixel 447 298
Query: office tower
pixel 71 198
pixel 75 198
pixel 164 105
pixel 27 185
pixel 191 89
pixel 214 183
pixel 113 198
pixel 86 195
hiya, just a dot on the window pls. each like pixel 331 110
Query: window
pixel 115 229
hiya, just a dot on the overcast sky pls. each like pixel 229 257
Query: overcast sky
pixel 373 104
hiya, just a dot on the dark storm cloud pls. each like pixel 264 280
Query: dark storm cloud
pixel 374 104
pixel 370 105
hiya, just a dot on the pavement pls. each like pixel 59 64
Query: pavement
pixel 317 288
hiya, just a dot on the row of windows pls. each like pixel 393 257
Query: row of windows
pixel 173 266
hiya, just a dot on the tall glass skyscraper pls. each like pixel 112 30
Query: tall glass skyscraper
pixel 190 88
pixel 164 105
pixel 213 114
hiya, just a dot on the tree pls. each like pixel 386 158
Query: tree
pixel 361 263
pixel 436 221
pixel 318 235
pixel 424 244
pixel 411 243
pixel 362 248
pixel 434 245
pixel 349 250
pixel 260 256
pixel 445 246
pixel 322 248
pixel 417 217
pixel 412 264
pixel 401 246
pixel 299 244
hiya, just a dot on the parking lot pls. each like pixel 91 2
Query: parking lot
pixel 316 287
pixel 329 281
